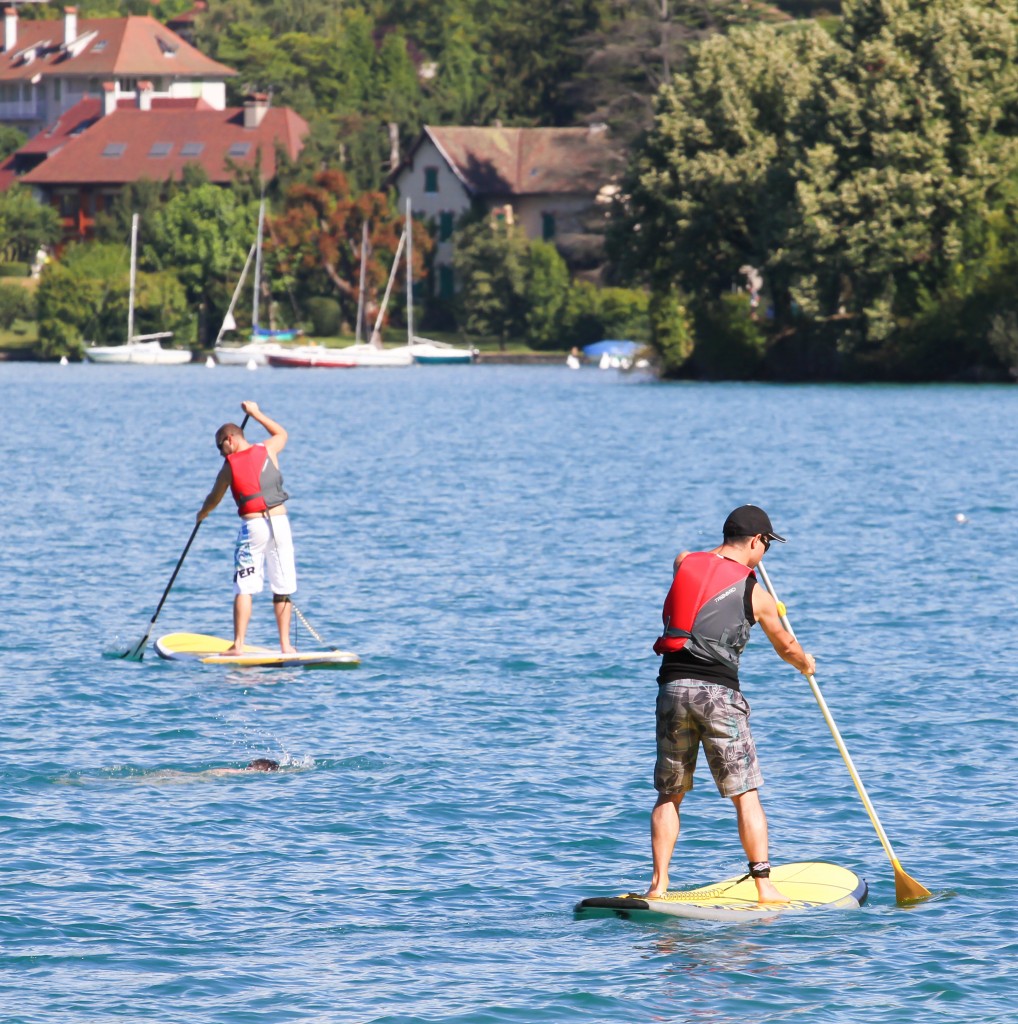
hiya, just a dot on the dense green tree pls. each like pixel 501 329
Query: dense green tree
pixel 909 133
pixel 532 55
pixel 593 314
pixel 635 50
pixel 143 197
pixel 202 235
pixel 847 171
pixel 490 263
pixel 11 139
pixel 711 188
pixel 546 292
pixel 84 298
pixel 730 342
pixel 671 330
pixel 457 80
pixel 16 303
pixel 25 225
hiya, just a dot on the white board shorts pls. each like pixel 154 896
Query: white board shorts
pixel 264 547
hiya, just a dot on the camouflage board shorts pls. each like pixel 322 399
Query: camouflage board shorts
pixel 691 712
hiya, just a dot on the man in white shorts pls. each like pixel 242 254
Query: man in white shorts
pixel 264 543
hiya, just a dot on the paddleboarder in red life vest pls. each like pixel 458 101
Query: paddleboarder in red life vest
pixel 264 543
pixel 713 602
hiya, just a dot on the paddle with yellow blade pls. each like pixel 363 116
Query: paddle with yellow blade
pixel 137 652
pixel 906 888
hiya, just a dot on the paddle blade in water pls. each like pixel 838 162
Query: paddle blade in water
pixel 115 649
pixel 906 888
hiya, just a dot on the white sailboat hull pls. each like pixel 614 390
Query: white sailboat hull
pixel 138 353
pixel 312 357
pixel 429 352
pixel 366 354
pixel 241 355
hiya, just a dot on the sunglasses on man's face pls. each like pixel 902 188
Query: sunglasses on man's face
pixel 766 542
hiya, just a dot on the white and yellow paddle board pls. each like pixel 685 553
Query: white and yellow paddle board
pixel 209 651
pixel 809 885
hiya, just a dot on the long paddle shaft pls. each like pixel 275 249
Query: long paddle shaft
pixel 137 652
pixel 905 887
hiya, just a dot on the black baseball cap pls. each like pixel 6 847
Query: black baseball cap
pixel 748 521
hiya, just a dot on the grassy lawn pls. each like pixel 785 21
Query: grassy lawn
pixel 22 335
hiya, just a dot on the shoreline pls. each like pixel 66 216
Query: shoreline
pixel 484 358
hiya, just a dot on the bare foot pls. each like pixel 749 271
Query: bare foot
pixel 288 649
pixel 232 651
pixel 767 893
pixel 656 891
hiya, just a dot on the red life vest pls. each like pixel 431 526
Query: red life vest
pixel 704 612
pixel 255 480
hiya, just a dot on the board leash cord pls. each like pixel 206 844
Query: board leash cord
pixel 690 895
pixel 311 629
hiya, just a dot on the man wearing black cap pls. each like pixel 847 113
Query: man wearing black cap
pixel 711 606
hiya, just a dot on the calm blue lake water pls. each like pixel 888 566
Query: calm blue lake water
pixel 496 544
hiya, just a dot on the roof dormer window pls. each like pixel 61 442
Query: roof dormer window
pixel 115 149
pixel 77 46
pixel 160 149
pixel 239 149
pixel 192 149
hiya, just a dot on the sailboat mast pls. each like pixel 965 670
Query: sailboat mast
pixel 258 268
pixel 134 268
pixel 228 319
pixel 376 335
pixel 360 289
pixel 409 277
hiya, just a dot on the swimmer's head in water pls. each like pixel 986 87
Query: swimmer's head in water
pixel 263 764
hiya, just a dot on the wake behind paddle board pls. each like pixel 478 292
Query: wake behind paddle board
pixel 208 650
pixel 809 885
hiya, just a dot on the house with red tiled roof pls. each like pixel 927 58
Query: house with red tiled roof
pixel 88 155
pixel 548 180
pixel 47 67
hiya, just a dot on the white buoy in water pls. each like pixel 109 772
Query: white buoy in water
pixel 252 365
pixel 63 361
pixel 961 518
pixel 209 362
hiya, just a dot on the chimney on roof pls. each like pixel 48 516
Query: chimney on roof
pixel 70 25
pixel 109 98
pixel 10 28
pixel 256 106
pixel 145 95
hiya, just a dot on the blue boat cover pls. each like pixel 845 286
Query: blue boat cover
pixel 613 348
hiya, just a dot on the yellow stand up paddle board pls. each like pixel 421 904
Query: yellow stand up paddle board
pixel 208 650
pixel 809 885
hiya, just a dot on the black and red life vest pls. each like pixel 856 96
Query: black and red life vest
pixel 705 613
pixel 255 480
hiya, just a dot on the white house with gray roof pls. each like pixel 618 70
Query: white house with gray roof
pixel 547 180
